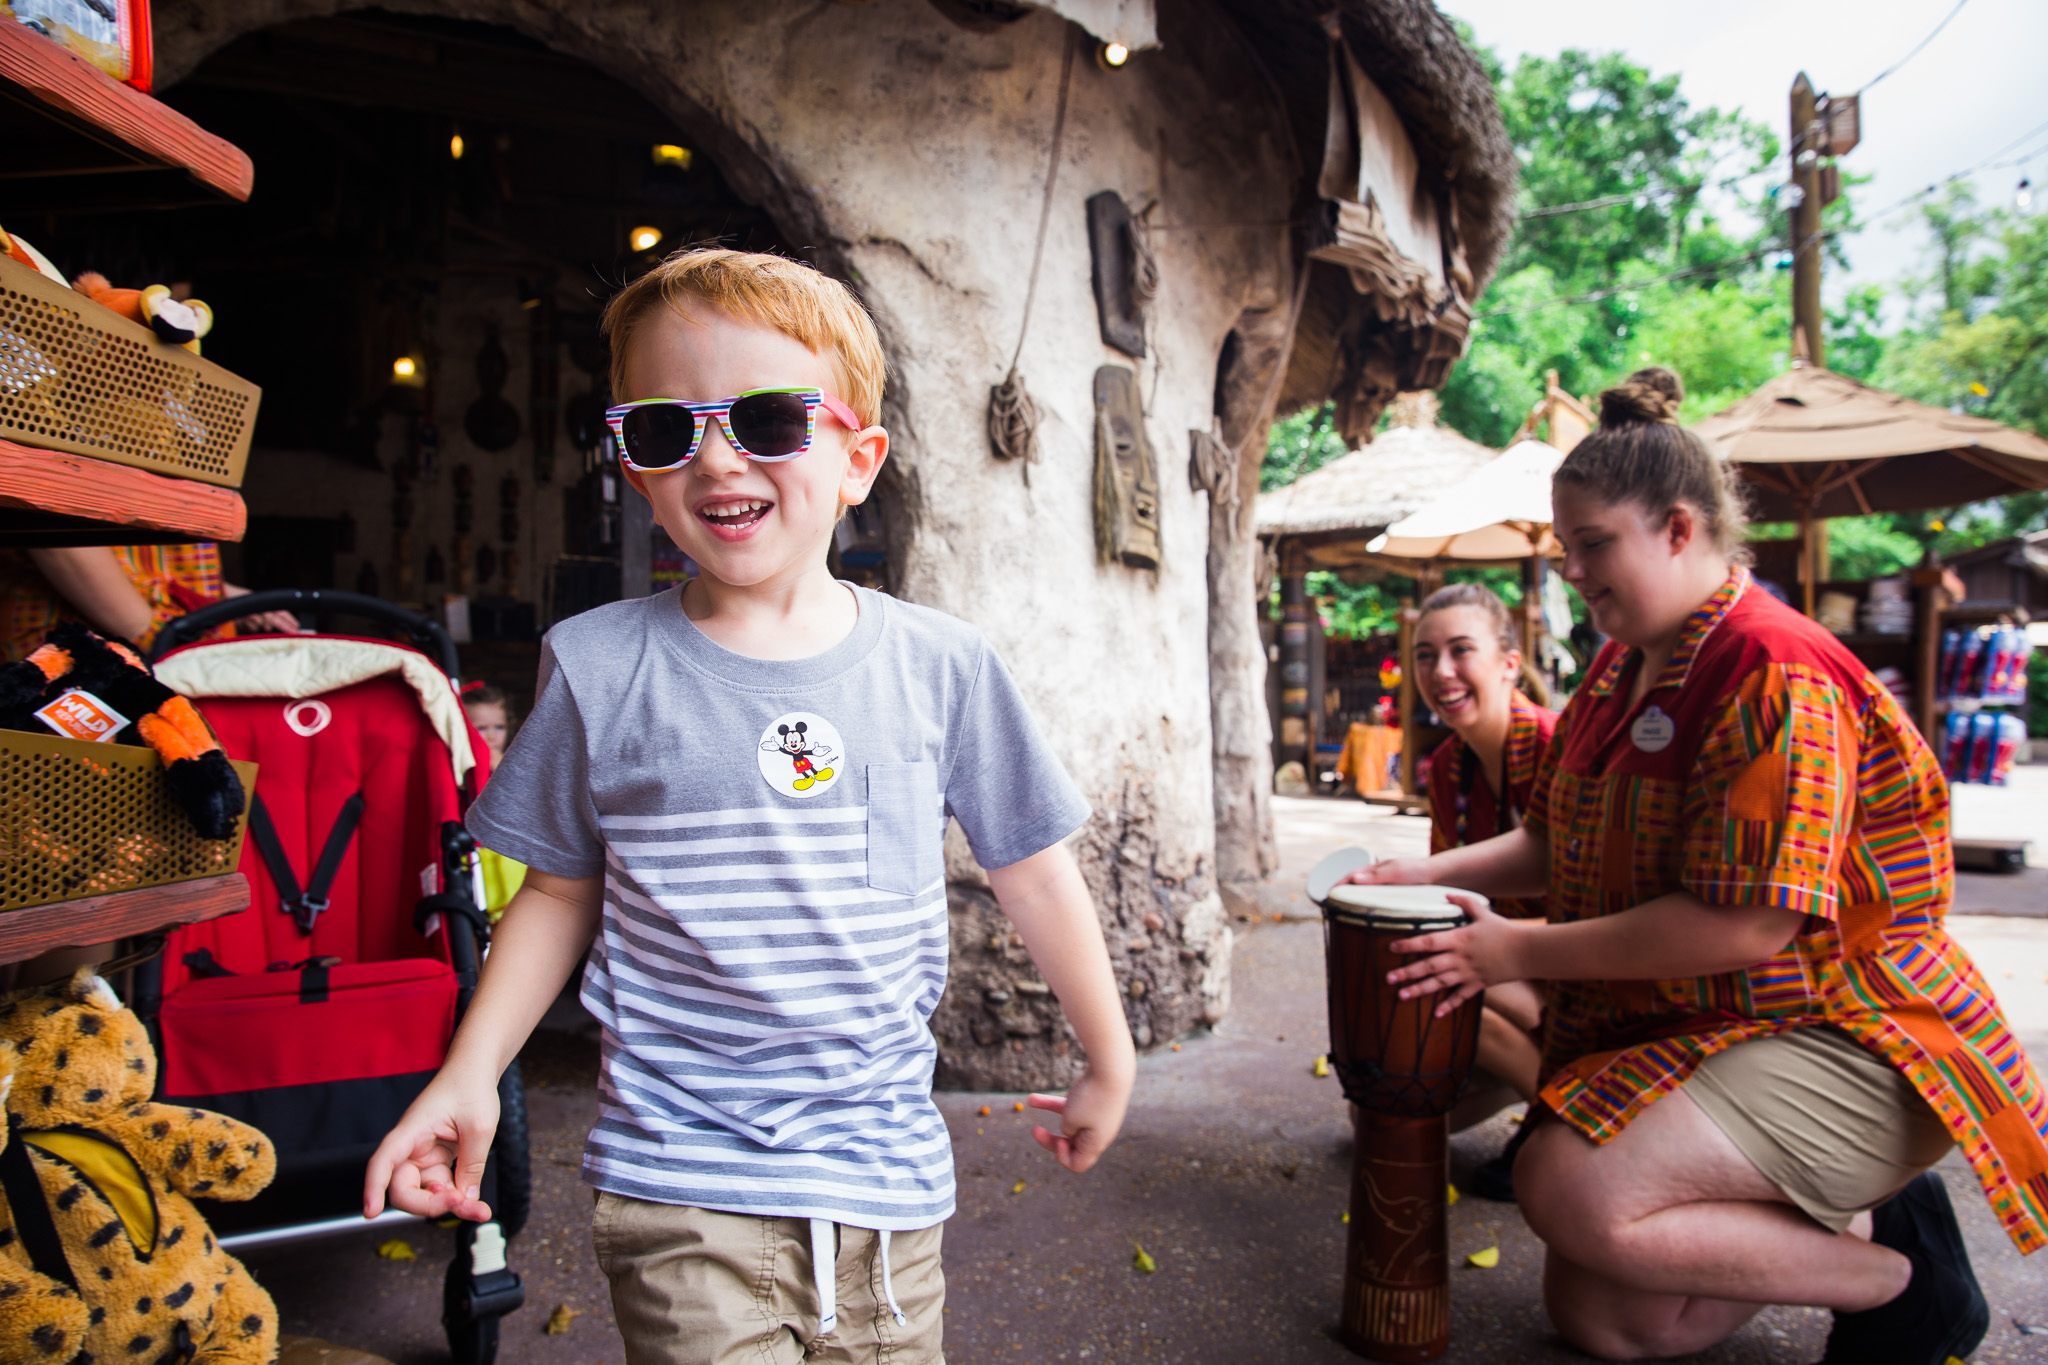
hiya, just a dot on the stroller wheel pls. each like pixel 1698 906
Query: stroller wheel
pixel 511 1155
pixel 474 1343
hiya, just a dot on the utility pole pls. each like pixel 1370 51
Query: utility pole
pixel 1803 196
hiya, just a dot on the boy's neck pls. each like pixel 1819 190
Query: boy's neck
pixel 791 617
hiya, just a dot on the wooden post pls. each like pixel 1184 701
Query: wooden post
pixel 1294 628
pixel 1410 732
pixel 1931 601
pixel 1804 221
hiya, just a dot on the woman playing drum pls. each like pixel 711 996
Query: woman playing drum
pixel 1480 780
pixel 1758 1030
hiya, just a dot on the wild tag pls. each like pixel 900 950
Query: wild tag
pixel 78 714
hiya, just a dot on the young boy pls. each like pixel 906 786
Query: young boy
pixel 732 796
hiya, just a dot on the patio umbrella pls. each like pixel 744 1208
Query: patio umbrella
pixel 1814 443
pixel 1498 512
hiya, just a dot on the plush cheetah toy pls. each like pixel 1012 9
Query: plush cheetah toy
pixel 116 1171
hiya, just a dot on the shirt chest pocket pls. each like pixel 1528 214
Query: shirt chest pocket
pixel 905 850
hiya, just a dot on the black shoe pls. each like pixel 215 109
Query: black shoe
pixel 1941 1313
pixel 1495 1179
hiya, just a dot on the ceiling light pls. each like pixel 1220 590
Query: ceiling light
pixel 455 147
pixel 1114 54
pixel 668 154
pixel 409 371
pixel 644 238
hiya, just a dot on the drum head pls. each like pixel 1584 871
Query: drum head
pixel 1414 908
pixel 1334 869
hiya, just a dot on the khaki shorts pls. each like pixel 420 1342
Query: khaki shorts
pixel 1834 1126
pixel 695 1287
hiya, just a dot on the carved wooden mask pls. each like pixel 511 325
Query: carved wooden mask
pixel 1126 475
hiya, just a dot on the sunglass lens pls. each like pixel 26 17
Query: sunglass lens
pixel 771 425
pixel 658 436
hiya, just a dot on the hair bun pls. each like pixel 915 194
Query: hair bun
pixel 1651 395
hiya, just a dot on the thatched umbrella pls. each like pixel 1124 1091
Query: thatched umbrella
pixel 1326 519
pixel 1813 444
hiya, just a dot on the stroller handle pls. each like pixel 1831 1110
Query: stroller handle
pixel 426 632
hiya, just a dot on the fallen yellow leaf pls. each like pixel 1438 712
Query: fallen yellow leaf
pixel 1484 1260
pixel 1143 1262
pixel 397 1249
pixel 559 1320
pixel 1322 1066
pixel 1017 1188
pixel 1452 1197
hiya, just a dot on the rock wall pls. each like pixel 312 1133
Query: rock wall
pixel 912 153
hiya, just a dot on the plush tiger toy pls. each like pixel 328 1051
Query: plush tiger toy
pixel 114 678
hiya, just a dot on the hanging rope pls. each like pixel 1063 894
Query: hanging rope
pixel 1012 416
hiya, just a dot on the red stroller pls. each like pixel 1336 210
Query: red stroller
pixel 321 1012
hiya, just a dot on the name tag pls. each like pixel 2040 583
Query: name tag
pixel 78 714
pixel 1653 731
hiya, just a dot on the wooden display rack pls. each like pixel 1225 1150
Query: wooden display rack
pixel 80 140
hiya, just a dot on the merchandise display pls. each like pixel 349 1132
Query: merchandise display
pixel 85 687
pixel 1979 670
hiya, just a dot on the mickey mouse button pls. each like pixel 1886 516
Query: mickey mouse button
pixel 801 754
pixel 1653 731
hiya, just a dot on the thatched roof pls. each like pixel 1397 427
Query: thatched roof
pixel 1345 348
pixel 1369 490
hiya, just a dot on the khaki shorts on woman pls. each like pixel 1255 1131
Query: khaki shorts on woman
pixel 1835 1127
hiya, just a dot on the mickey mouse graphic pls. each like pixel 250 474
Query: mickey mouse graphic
pixel 794 740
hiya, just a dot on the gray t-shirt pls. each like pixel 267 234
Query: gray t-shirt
pixel 774 936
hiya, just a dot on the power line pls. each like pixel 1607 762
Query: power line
pixel 1990 162
pixel 1916 49
pixel 1660 192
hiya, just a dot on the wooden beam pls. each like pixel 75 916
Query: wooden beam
pixel 100 491
pixel 73 92
pixel 102 919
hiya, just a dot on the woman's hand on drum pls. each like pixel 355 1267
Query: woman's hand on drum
pixel 1392 872
pixel 1462 962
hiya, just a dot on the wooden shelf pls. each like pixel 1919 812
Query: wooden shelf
pixel 78 139
pixel 123 914
pixel 50 498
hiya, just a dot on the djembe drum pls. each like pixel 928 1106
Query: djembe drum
pixel 1403 1068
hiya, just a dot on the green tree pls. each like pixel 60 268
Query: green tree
pixel 1597 127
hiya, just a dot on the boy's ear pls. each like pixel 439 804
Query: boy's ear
pixel 864 458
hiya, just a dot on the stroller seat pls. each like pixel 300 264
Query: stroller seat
pixel 319 1013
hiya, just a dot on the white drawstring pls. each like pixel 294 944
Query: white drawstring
pixel 888 1286
pixel 825 1274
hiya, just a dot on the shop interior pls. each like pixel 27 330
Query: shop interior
pixel 441 210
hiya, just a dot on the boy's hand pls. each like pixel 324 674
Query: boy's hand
pixel 1090 1113
pixel 432 1163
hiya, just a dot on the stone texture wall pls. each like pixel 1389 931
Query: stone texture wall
pixel 912 154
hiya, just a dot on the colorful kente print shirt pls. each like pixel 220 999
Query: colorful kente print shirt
pixel 173 579
pixel 1766 766
pixel 1455 780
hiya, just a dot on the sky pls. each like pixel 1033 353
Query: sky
pixel 1975 88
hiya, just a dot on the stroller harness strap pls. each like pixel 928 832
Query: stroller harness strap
pixel 304 906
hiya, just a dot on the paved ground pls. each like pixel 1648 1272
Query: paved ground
pixel 1231 1174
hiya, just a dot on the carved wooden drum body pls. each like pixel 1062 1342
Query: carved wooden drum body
pixel 1403 1068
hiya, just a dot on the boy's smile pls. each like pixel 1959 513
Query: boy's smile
pixel 732 518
